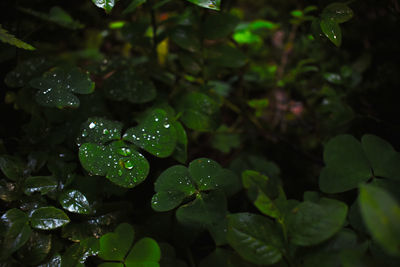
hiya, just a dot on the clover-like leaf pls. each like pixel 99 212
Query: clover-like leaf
pixel 381 214
pixel 255 238
pixel 130 86
pixel 199 111
pixel 118 161
pixel 311 223
pixel 145 252
pixel 58 86
pixel 42 184
pixel 155 133
pixel 210 4
pixel 16 232
pixel 48 218
pixel 74 201
pixel 114 246
pixel 347 165
pixel 99 130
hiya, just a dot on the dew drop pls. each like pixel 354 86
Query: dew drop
pixel 123 151
pixel 120 172
pixel 92 125
pixel 166 125
pixel 106 131
pixel 84 133
pixel 128 165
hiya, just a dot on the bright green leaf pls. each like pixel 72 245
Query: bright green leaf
pixel 114 246
pixel 12 40
pixel 48 218
pixel 57 87
pixel 145 252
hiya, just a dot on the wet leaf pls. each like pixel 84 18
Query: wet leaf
pixel 145 252
pixel 381 214
pixel 16 233
pixel 42 184
pixel 36 249
pixel 79 252
pixel 74 201
pixel 332 30
pixel 155 133
pixel 180 153
pixel 128 85
pixel 107 5
pixel 99 130
pixel 57 87
pixel 210 4
pixel 311 223
pixel 338 12
pixel 255 238
pixel 118 161
pixel 12 167
pixel 48 218
pixel 114 246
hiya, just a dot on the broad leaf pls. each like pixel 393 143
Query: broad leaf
pixel 155 133
pixel 128 85
pixel 12 167
pixel 332 30
pixel 79 252
pixel 255 238
pixel 338 12
pixel 119 162
pixel 184 37
pixel 312 223
pixel 42 184
pixel 114 246
pixel 107 5
pixel 381 213
pixel 7 37
pixel 16 233
pixel 347 165
pixel 99 130
pixel 145 252
pixel 48 218
pixel 211 4
pixel 226 56
pixel 57 87
pixel 219 25
pixel 36 249
pixel 180 153
pixel 74 201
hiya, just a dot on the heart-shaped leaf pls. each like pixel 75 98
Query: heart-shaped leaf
pixel 311 223
pixel 128 85
pixel 114 246
pixel 74 201
pixel 57 87
pixel 118 161
pixel 48 218
pixel 178 182
pixel 255 238
pixel 199 111
pixel 145 252
pixel 210 4
pixel 16 233
pixel 381 213
pixel 42 184
pixel 347 165
pixel 155 133
pixel 99 130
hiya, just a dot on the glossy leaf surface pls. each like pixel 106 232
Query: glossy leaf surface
pixel 75 202
pixel 48 218
pixel 42 184
pixel 57 87
pixel 210 4
pixel 332 30
pixel 99 130
pixel 107 5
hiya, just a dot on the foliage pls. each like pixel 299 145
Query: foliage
pixel 199 133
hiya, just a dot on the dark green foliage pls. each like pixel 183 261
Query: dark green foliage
pixel 182 133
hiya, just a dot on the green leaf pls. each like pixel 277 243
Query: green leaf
pixel 99 130
pixel 118 161
pixel 6 37
pixel 207 210
pixel 56 15
pixel 155 133
pixel 180 153
pixel 133 5
pixel 347 165
pixel 145 252
pixel 128 85
pixel 211 4
pixel 332 30
pixel 199 111
pixel 338 12
pixel 36 249
pixel 107 5
pixel 381 213
pixel 16 233
pixel 58 86
pixel 42 184
pixel 12 167
pixel 384 159
pixel 48 218
pixel 219 25
pixel 172 187
pixel 26 71
pixel 312 223
pixel 74 201
pixel 226 56
pixel 186 38
pixel 224 140
pixel 255 238
pixel 114 246
pixel 79 252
